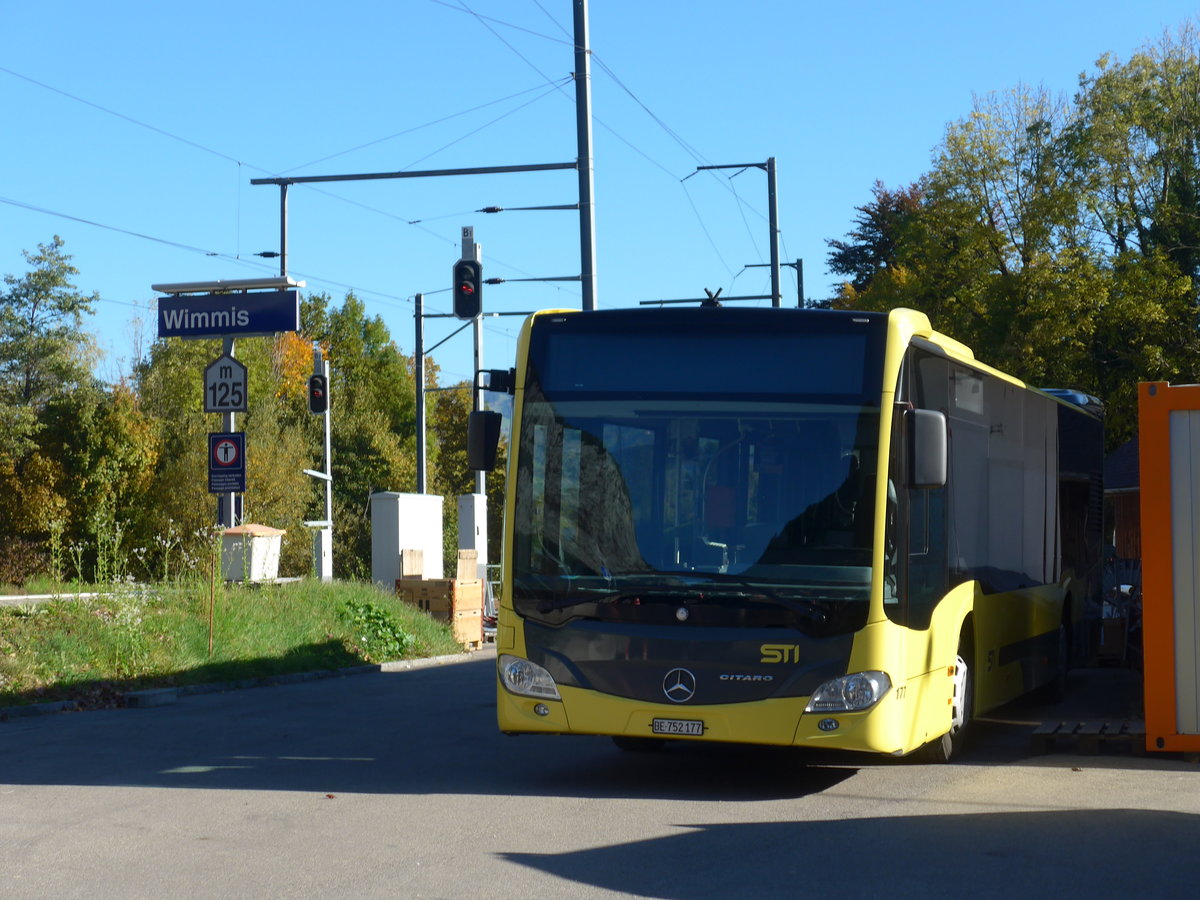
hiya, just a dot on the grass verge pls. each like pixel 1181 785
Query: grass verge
pixel 93 650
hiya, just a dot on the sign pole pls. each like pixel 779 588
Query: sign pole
pixel 419 360
pixel 325 563
pixel 323 534
pixel 227 518
pixel 472 250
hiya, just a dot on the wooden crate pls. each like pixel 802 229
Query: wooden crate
pixel 460 603
pixel 468 568
pixel 441 596
pixel 467 628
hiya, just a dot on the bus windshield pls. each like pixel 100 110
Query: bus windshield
pixel 697 468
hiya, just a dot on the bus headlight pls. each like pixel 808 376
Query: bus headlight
pixel 528 679
pixel 850 693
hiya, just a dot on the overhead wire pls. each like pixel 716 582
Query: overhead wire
pixel 704 228
pixel 484 21
pixel 742 204
pixel 695 154
pixel 407 220
pixel 240 163
pixel 603 66
pixel 127 118
pixel 236 258
pixel 561 27
pixel 741 207
pixel 230 257
pixel 463 137
pixel 554 85
pixel 381 296
pixel 387 299
pixel 462 7
pixel 414 129
pixel 29 206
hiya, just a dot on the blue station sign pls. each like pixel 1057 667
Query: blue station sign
pixel 198 316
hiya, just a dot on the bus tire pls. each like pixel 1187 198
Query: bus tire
pixel 638 744
pixel 1056 688
pixel 950 745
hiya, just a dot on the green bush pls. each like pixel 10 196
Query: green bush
pixel 378 636
pixel 21 560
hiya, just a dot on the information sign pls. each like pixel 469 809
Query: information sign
pixel 227 462
pixel 225 386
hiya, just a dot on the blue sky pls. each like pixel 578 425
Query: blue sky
pixel 132 129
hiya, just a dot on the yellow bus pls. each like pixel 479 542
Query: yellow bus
pixel 784 527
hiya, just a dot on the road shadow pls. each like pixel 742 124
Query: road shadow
pixel 430 730
pixel 312 660
pixel 1070 853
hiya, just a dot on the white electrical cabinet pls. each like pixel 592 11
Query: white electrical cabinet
pixel 404 522
pixel 472 529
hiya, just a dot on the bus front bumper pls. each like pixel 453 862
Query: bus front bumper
pixel 777 722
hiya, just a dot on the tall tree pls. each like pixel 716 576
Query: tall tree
pixel 44 355
pixel 1136 147
pixel 1049 264
pixel 43 347
pixel 871 246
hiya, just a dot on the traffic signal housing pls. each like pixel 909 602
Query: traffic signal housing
pixel 318 394
pixel 468 288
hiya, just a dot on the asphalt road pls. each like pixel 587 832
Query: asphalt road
pixel 398 784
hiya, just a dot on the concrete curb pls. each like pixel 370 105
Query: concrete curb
pixel 32 599
pixel 153 697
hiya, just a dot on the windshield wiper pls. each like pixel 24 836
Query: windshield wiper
pixel 801 604
pixel 682 593
pixel 700 586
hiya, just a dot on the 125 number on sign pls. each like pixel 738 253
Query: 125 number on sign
pixel 225 385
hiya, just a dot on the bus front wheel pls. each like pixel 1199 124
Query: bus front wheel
pixel 1056 689
pixel 950 745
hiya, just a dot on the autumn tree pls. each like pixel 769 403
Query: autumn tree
pixel 279 446
pixel 1050 237
pixel 45 355
pixel 1136 150
pixel 878 225
pixel 43 347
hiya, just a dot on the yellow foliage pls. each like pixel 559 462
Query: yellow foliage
pixel 293 360
pixel 30 499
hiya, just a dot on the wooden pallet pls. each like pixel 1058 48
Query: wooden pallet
pixel 1091 737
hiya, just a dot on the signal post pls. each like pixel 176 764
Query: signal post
pixel 468 304
pixel 318 405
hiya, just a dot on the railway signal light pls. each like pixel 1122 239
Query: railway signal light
pixel 468 288
pixel 318 394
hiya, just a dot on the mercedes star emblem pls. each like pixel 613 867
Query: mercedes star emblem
pixel 679 685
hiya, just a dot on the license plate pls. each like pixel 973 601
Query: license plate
pixel 677 726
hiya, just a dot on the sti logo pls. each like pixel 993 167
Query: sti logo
pixel 780 653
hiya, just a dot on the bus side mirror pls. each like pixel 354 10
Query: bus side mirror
pixel 483 439
pixel 927 448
